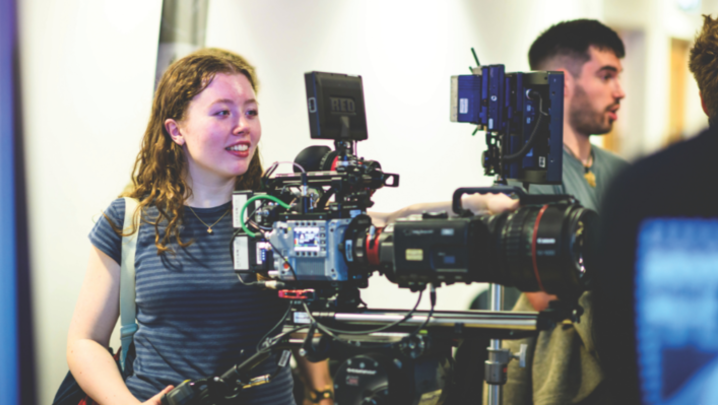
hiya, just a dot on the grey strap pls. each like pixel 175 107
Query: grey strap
pixel 127 280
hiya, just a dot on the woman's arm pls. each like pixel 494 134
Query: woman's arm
pixel 94 318
pixel 476 203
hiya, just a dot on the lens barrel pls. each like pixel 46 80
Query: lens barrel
pixel 535 248
pixel 544 248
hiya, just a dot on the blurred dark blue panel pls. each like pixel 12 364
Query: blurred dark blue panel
pixel 16 359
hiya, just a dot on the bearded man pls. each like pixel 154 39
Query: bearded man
pixel 562 364
pixel 588 53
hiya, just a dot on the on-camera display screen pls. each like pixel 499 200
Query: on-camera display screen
pixel 677 311
pixel 306 239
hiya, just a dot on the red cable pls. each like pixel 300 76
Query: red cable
pixel 533 247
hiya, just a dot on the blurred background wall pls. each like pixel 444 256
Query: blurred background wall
pixel 88 73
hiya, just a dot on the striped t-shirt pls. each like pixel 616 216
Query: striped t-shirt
pixel 194 315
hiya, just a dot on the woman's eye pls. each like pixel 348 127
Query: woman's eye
pixel 222 113
pixel 253 113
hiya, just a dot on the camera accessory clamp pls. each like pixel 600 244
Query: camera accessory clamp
pixel 496 366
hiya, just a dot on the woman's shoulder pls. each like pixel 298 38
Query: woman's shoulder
pixel 116 209
pixel 104 234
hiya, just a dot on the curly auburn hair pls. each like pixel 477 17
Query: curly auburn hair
pixel 158 171
pixel 703 63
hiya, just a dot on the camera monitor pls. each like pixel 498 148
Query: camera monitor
pixel 336 106
pixel 677 311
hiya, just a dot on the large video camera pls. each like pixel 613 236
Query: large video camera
pixel 299 229
pixel 307 234
pixel 293 234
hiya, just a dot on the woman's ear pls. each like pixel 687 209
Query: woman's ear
pixel 173 129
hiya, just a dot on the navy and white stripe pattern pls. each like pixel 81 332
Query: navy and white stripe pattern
pixel 194 316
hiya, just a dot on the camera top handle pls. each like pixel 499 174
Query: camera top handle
pixel 524 198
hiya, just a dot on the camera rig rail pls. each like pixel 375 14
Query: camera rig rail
pixel 394 366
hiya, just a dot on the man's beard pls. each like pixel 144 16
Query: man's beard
pixel 584 119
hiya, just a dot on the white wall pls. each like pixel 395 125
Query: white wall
pixel 88 73
pixel 87 83
pixel 651 24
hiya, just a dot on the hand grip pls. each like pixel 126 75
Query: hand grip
pixel 456 200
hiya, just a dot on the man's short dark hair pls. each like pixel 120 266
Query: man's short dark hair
pixel 570 40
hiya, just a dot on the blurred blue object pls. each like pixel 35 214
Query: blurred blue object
pixel 9 366
pixel 677 311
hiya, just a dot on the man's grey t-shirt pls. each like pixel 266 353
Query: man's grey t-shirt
pixel 605 167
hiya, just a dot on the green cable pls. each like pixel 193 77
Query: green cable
pixel 253 199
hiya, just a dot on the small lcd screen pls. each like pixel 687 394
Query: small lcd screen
pixel 307 239
pixel 677 311
pixel 262 248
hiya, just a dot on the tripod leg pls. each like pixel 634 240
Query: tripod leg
pixel 493 383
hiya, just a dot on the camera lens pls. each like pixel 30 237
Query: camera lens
pixel 544 248
pixel 535 248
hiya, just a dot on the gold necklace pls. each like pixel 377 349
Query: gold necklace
pixel 209 227
pixel 587 173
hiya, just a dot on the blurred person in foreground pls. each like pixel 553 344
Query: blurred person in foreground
pixel 677 185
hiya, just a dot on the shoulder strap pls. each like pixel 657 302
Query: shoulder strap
pixel 127 281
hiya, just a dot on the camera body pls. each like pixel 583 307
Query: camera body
pixel 304 220
pixel 546 245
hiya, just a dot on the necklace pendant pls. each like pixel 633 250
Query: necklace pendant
pixel 209 230
pixel 590 178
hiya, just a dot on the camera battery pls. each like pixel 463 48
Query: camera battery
pixel 466 99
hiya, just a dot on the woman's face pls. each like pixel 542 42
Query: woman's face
pixel 220 131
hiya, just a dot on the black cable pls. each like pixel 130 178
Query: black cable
pixel 283 334
pixel 365 332
pixel 328 332
pixel 432 297
pixel 231 247
pixel 324 199
pixel 280 323
pixel 532 138
pixel 239 230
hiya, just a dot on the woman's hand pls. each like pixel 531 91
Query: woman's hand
pixel 157 399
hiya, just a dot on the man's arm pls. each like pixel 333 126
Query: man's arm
pixel 476 203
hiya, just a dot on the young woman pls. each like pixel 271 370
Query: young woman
pixel 194 316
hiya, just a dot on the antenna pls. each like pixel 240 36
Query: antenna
pixel 476 58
